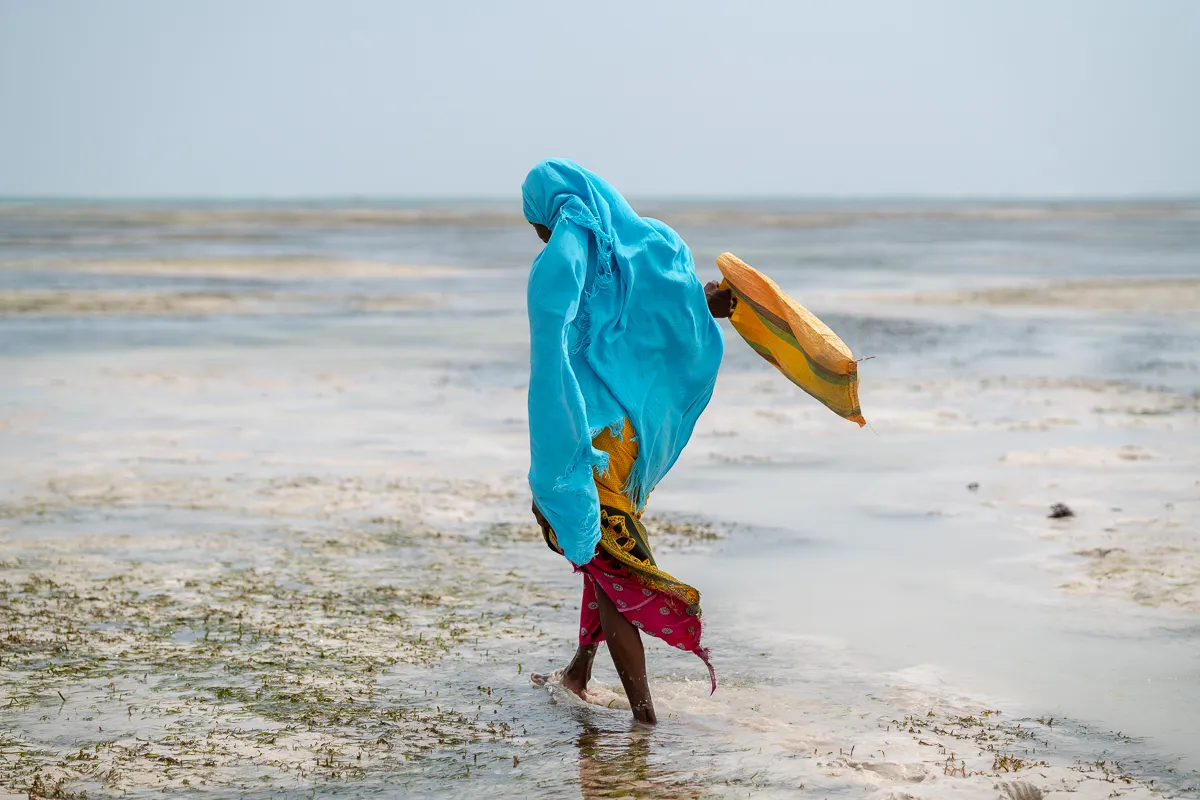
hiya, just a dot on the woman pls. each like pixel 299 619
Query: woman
pixel 624 352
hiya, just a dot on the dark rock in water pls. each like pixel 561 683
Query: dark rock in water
pixel 1060 511
pixel 972 487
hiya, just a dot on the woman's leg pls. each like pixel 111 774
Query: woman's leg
pixel 579 671
pixel 625 646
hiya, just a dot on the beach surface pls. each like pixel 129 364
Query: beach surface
pixel 264 526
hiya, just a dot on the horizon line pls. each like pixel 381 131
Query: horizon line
pixel 642 198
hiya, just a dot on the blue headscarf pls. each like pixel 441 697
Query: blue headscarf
pixel 619 328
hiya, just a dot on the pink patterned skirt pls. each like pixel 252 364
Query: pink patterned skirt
pixel 654 612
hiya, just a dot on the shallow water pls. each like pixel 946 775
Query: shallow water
pixel 260 460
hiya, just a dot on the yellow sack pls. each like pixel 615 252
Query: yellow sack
pixel 786 334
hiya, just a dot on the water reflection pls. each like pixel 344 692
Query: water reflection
pixel 619 763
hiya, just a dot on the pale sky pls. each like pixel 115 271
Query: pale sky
pixel 238 98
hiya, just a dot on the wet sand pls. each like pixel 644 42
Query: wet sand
pixel 1158 296
pixel 192 303
pixel 281 553
pixel 233 583
pixel 270 268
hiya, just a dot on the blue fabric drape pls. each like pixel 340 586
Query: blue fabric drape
pixel 619 328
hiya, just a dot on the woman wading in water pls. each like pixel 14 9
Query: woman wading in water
pixel 624 351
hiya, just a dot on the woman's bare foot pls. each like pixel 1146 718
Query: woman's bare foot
pixel 575 677
pixel 579 671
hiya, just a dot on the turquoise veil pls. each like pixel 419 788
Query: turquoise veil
pixel 619 328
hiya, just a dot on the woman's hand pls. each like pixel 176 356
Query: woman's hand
pixel 720 301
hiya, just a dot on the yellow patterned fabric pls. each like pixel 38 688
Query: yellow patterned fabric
pixel 622 535
pixel 622 451
pixel 791 338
